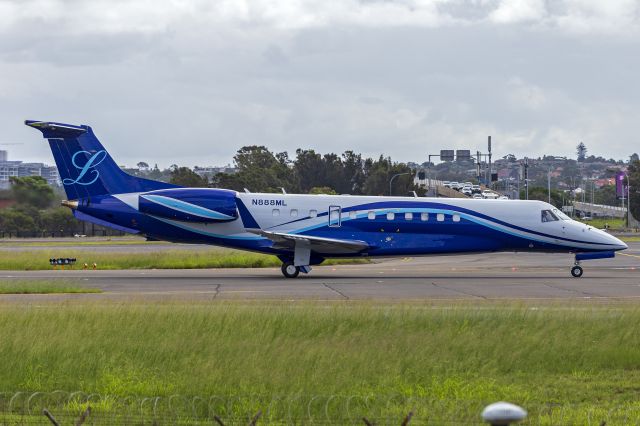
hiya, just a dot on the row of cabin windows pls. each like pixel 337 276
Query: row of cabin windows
pixel 371 215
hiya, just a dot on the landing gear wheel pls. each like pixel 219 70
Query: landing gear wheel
pixel 576 271
pixel 289 270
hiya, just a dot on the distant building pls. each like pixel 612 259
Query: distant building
pixel 210 171
pixel 20 169
pixel 599 183
pixel 633 158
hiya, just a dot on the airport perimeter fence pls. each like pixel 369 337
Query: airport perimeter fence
pixel 66 408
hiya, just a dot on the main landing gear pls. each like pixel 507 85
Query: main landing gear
pixel 289 270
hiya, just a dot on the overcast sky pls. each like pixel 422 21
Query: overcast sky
pixel 191 81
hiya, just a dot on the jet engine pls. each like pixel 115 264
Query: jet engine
pixel 190 204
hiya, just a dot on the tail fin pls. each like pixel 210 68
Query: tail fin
pixel 85 167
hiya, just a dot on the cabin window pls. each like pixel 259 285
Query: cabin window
pixel 275 212
pixel 294 212
pixel 313 213
pixel 353 215
pixel 424 217
pixel 391 215
pixel 408 216
pixel 548 216
pixel 456 218
pixel 371 215
pixel 440 217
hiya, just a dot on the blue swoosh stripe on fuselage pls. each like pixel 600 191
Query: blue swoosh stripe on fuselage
pixel 185 207
pixel 395 206
pixel 463 216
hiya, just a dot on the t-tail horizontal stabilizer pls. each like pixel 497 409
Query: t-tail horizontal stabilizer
pixel 85 167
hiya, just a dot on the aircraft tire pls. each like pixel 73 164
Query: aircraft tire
pixel 576 271
pixel 289 270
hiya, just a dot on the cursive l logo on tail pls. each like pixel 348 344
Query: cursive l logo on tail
pixel 88 169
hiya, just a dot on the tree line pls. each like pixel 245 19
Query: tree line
pixel 32 212
pixel 33 208
pixel 260 170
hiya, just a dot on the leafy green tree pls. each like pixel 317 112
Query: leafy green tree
pixel 15 220
pixel 309 169
pixel 581 151
pixel 60 219
pixel 322 190
pixel 259 170
pixel 634 188
pixel 542 194
pixel 184 176
pixel 606 195
pixel 354 175
pixel 32 191
pixel 379 173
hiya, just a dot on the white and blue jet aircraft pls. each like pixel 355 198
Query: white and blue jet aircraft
pixel 304 230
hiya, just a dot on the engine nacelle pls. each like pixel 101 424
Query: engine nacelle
pixel 190 204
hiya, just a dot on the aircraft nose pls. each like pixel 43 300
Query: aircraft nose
pixel 620 245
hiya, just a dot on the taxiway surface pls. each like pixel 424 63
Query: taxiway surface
pixel 478 276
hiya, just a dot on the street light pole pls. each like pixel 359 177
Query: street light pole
pixel 549 183
pixel 393 177
pixel 628 197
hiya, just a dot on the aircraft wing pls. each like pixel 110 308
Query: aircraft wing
pixel 317 244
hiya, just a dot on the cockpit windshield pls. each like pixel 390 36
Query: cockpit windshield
pixel 561 215
pixel 548 216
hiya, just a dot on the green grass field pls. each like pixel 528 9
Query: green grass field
pixel 44 287
pixel 160 259
pixel 576 364
pixel 601 222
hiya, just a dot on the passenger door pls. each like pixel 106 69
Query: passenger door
pixel 335 219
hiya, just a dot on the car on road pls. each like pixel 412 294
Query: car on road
pixel 477 197
pixel 489 194
pixel 503 197
pixel 476 189
pixel 466 191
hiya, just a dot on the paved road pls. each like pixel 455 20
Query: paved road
pixel 486 276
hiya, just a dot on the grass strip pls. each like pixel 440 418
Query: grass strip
pixel 43 287
pixel 566 366
pixel 161 259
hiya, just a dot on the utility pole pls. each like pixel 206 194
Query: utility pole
pixel 526 177
pixel 628 197
pixel 489 148
pixel 549 183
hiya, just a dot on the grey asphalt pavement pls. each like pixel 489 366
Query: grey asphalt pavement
pixel 479 276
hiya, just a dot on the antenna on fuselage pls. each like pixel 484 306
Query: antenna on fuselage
pixel 283 190
pixel 247 191
pixel 415 195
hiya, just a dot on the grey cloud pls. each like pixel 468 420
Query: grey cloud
pixel 193 92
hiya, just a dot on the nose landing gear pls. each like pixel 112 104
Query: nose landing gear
pixel 576 271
